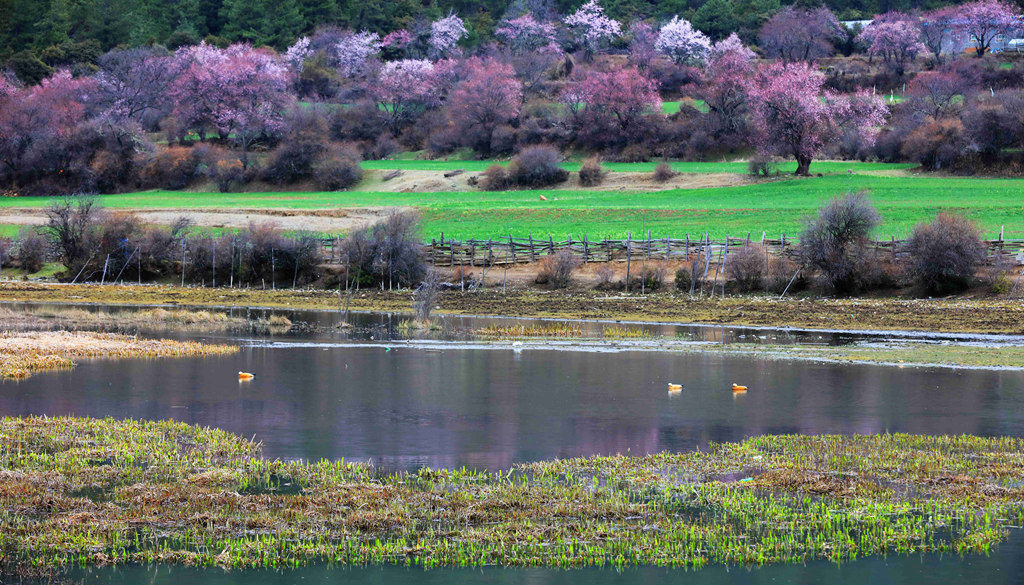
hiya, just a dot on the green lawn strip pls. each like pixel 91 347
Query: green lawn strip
pixel 78 492
pixel 774 207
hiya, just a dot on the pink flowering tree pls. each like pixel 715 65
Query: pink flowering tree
pixel 895 37
pixel 725 84
pixel 800 35
pixel 354 52
pixel 489 97
pixel 395 44
pixel 525 34
pixel 445 35
pixel 255 96
pixel 134 81
pixel 983 20
pixel 642 38
pixel 682 43
pixel 935 28
pixel 240 93
pixel 938 94
pixel 297 54
pixel 624 94
pixel 592 28
pixel 404 87
pixel 794 115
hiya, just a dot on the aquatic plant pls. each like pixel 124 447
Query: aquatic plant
pixel 85 491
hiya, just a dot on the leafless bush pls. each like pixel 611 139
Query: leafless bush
pixel 426 296
pixel 605 277
pixel 780 273
pixel 762 167
pixel 537 166
pixel 746 268
pixel 945 253
pixel 591 173
pixel 556 271
pixel 663 172
pixel 494 178
pixel 338 168
pixel 386 252
pixel 32 250
pixel 649 280
pixel 835 242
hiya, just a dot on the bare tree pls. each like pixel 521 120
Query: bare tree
pixel 70 223
pixel 835 241
pixel 426 296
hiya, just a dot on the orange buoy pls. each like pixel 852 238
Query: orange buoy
pixel 675 387
pixel 738 389
pixel 543 198
pixel 245 376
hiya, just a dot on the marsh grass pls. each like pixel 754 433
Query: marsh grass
pixel 84 491
pixel 24 353
pixel 564 329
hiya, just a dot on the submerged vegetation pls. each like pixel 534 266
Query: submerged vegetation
pixel 85 491
pixel 24 353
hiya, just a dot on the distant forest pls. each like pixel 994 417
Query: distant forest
pixel 64 32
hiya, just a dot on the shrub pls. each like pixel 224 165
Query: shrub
pixel 834 243
pixel 304 140
pixel 536 166
pixel 663 172
pixel 591 173
pixel 32 248
pixel 779 274
pixel 650 280
pixel 173 167
pixel 556 271
pixel 759 166
pixel 495 178
pixel 338 169
pixel 746 268
pixel 683 279
pixel 387 252
pixel 227 172
pixel 945 253
pixel 605 277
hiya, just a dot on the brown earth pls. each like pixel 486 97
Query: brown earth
pixel 319 220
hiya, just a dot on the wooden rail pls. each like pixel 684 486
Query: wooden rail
pixel 511 250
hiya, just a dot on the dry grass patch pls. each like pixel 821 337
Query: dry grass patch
pixel 23 353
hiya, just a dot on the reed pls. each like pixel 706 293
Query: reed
pixel 563 329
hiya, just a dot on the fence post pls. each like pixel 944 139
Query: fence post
pixel 629 237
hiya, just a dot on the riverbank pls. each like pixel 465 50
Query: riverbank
pixel 25 353
pixel 942 315
pixel 95 492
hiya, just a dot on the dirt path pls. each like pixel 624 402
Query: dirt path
pixel 435 181
pixel 318 220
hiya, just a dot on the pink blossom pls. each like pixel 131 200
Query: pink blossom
pixel 592 27
pixel 297 54
pixel 624 93
pixel 799 35
pixel 683 43
pixel 445 35
pixel 983 20
pixel 934 29
pixel 399 39
pixel 489 97
pixel 894 36
pixel 405 84
pixel 794 115
pixel 355 50
pixel 525 34
pixel 731 45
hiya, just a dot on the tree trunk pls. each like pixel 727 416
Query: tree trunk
pixel 803 166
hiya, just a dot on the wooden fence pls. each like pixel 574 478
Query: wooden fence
pixel 510 250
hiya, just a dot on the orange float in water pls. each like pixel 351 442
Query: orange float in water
pixel 737 388
pixel 245 376
pixel 675 387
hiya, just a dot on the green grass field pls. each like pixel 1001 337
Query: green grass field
pixel 740 167
pixel 774 207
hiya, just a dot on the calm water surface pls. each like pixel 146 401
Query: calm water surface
pixel 361 395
